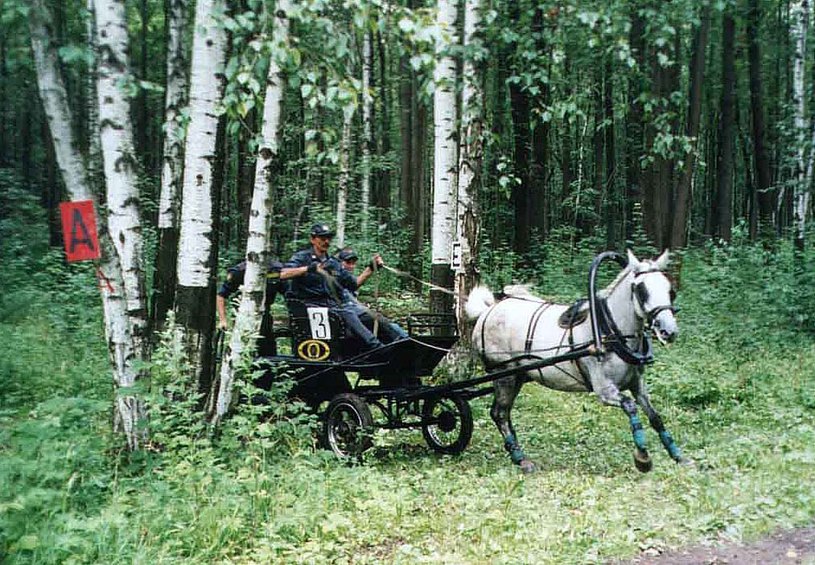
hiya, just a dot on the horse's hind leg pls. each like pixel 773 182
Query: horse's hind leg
pixel 506 390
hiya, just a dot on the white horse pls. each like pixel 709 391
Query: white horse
pixel 522 328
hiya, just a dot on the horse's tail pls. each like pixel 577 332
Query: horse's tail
pixel 479 300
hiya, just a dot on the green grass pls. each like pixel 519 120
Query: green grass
pixel 736 391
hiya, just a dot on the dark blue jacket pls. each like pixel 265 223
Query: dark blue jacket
pixel 236 273
pixel 317 287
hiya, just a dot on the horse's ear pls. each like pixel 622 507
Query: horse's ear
pixel 633 262
pixel 661 262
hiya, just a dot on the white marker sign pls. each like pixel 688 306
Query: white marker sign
pixel 318 320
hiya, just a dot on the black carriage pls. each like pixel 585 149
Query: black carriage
pixel 382 388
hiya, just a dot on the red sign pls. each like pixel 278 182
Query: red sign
pixel 79 230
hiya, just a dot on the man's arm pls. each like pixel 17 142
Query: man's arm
pixel 220 303
pixel 369 269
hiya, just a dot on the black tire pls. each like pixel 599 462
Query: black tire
pixel 447 423
pixel 348 425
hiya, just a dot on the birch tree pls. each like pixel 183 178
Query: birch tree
pixel 118 158
pixel 121 349
pixel 247 321
pixel 470 154
pixel 172 161
pixel 367 117
pixel 197 251
pixel 345 175
pixel 799 12
pixel 444 155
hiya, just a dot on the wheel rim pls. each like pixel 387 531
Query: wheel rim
pixel 447 428
pixel 345 430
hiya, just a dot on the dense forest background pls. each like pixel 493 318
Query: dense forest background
pixel 536 134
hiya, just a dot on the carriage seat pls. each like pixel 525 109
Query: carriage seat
pixel 574 315
pixel 316 328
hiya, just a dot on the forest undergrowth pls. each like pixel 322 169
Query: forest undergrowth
pixel 736 390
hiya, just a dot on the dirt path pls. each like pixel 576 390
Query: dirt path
pixel 783 548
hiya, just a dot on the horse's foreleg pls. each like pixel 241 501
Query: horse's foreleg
pixel 610 395
pixel 641 458
pixel 656 422
pixel 506 390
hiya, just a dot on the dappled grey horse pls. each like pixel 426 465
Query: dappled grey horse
pixel 522 328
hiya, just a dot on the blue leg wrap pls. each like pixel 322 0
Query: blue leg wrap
pixel 637 432
pixel 670 446
pixel 515 452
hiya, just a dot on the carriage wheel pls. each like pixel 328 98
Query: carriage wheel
pixel 348 425
pixel 447 423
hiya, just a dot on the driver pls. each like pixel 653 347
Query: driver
pixel 318 280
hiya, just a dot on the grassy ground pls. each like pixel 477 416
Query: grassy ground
pixel 736 390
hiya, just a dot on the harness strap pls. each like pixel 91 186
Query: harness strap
pixel 483 338
pixel 533 325
pixel 617 343
pixel 576 362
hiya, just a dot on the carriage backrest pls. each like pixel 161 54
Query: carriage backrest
pixel 317 333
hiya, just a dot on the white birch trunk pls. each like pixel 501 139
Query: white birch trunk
pixel 164 280
pixel 799 12
pixel 118 157
pixel 470 147
pixel 345 176
pixel 444 122
pixel 196 249
pixel 123 355
pixel 367 116
pixel 175 97
pixel 445 160
pixel 247 321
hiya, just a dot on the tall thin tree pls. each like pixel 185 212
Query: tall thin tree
pixel 197 249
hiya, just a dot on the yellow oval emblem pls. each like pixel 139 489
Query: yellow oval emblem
pixel 313 350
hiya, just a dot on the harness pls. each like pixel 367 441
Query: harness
pixel 607 335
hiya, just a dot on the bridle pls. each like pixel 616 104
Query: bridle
pixel 650 316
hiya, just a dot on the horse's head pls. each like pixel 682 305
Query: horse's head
pixel 653 296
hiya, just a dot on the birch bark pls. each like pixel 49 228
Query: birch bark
pixel 444 156
pixel 172 166
pixel 799 12
pixel 247 321
pixel 118 158
pixel 197 249
pixel 470 154
pixel 345 175
pixel 367 117
pixel 123 354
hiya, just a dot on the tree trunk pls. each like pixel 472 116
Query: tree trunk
pixel 247 321
pixel 766 195
pixel 611 157
pixel 118 157
pixel 173 160
pixel 634 124
pixel 724 169
pixel 800 25
pixel 383 194
pixel 367 125
pixel 345 175
pixel 696 73
pixel 469 169
pixel 445 161
pixel 124 355
pixel 197 252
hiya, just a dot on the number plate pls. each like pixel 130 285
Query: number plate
pixel 318 320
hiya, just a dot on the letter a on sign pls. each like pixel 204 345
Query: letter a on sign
pixel 79 230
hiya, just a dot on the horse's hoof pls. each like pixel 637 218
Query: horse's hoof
pixel 642 461
pixel 527 466
pixel 686 462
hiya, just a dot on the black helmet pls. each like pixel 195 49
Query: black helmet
pixel 321 230
pixel 347 254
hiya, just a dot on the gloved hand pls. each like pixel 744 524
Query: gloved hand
pixel 312 268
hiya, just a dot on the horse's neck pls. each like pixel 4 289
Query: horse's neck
pixel 621 305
